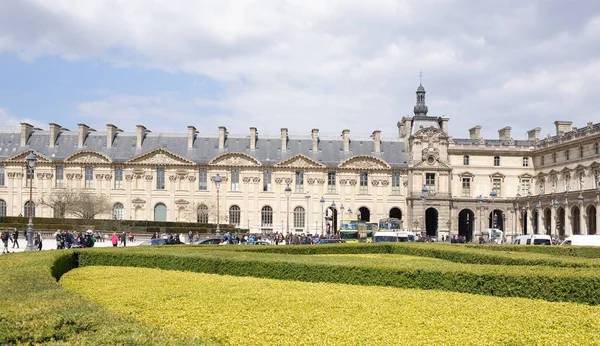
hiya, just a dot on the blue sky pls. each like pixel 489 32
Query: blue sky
pixel 299 64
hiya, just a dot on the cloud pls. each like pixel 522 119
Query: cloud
pixel 11 121
pixel 329 64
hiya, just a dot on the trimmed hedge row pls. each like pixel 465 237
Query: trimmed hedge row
pixel 571 251
pixel 547 285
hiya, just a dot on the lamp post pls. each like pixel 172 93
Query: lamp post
pixel 307 196
pixel 288 193
pixel 322 202
pixel 31 161
pixel 349 211
pixel 218 181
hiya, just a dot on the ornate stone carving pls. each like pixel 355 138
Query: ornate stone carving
pixel 129 177
pixel 11 174
pixel 386 182
pixel 311 181
pixel 160 158
pixel 78 176
pixel 278 180
pixel 288 181
pixel 352 182
pixel 181 202
pixel 86 157
pixel 107 177
pixel 299 161
pixel 321 181
pixel 191 178
pixel 375 182
pixel 343 181
pixel 234 161
pixel 223 179
pixel 172 178
pixel 256 180
pixel 138 201
pixel 40 175
pixel 405 183
pixel 99 176
pixel 149 177
pixel 70 176
pixel 19 175
pixel 246 179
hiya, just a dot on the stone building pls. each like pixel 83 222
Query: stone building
pixel 434 183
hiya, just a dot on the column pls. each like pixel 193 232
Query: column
pixel 597 217
pixel 540 229
pixel 567 226
pixel 553 221
pixel 582 223
pixel 529 223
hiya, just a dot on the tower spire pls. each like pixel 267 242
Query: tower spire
pixel 420 106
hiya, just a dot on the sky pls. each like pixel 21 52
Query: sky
pixel 303 64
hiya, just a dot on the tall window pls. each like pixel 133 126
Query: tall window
pixel 331 182
pixel 525 162
pixel 567 155
pixel 266 217
pixel 59 173
pixel 497 186
pixel 202 214
pixel 430 182
pixel 89 177
pixel 581 151
pixel 395 183
pixel 466 187
pixel 554 157
pixel 27 209
pixel 118 177
pixel 466 160
pixel 267 180
pixel 364 182
pixel 597 148
pixel 234 215
pixel 299 181
pixel 2 207
pixel 543 157
pixel 496 161
pixel 160 178
pixel 118 211
pixel 235 180
pixel 526 186
pixel 202 184
pixel 2 171
pixel 298 217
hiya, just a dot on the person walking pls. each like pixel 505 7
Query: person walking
pixel 115 239
pixel 38 241
pixel 15 237
pixel 123 239
pixel 5 236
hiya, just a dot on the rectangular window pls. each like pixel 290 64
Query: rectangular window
pixel 430 182
pixel 118 177
pixel 496 186
pixel 235 180
pixel 202 180
pixel 567 154
pixel 59 172
pixel 466 187
pixel 364 182
pixel 554 157
pixel 2 172
pixel 267 180
pixel 496 161
pixel 160 178
pixel 395 183
pixel 89 177
pixel 525 162
pixel 299 181
pixel 581 151
pixel 597 148
pixel 526 187
pixel 543 160
pixel 466 160
pixel 331 182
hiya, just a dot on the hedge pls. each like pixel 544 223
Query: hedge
pixel 571 251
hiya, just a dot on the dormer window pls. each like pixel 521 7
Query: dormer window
pixel 466 160
pixel 525 162
pixel 496 161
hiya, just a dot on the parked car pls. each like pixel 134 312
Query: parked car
pixel 258 242
pixel 331 241
pixel 154 242
pixel 209 241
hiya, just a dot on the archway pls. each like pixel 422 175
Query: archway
pixel 466 220
pixel 560 222
pixel 331 219
pixel 525 215
pixel 160 212
pixel 496 219
pixel 536 225
pixel 575 225
pixel 548 221
pixel 431 222
pixel 591 220
pixel 365 214
pixel 396 212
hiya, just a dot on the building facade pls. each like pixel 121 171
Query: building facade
pixel 434 183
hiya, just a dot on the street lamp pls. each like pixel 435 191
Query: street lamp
pixel 349 211
pixel 307 196
pixel 288 193
pixel 31 161
pixel 218 181
pixel 322 202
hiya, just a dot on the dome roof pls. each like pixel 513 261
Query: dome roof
pixel 420 88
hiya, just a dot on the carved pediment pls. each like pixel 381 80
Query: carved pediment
pixel 300 161
pixel 430 134
pixel 159 156
pixel 528 176
pixel 497 175
pixel 466 175
pixel 181 202
pixel 364 162
pixel 87 156
pixel 20 157
pixel 234 160
pixel 138 201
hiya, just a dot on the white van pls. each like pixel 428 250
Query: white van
pixel 393 237
pixel 534 239
pixel 583 240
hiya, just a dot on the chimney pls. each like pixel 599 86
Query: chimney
pixel 54 132
pixel 534 135
pixel 376 141
pixel 562 127
pixel 253 133
pixel 111 133
pixel 82 132
pixel 475 132
pixel 346 135
pixel 504 133
pixel 284 139
pixel 191 137
pixel 404 127
pixel 444 124
pixel 141 134
pixel 26 130
pixel 222 134
pixel 315 138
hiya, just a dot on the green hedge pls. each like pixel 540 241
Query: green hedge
pixel 572 251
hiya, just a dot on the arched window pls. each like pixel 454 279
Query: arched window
pixel 234 215
pixel 118 211
pixel 298 217
pixel 496 161
pixel 202 213
pixel 27 209
pixel 160 212
pixel 2 207
pixel 266 217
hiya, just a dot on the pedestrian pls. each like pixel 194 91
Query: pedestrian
pixel 38 241
pixel 5 236
pixel 15 237
pixel 124 239
pixel 115 239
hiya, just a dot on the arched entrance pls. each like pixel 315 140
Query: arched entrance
pixel 396 212
pixel 331 219
pixel 431 222
pixel 466 220
pixel 575 225
pixel 547 221
pixel 591 220
pixel 525 215
pixel 160 212
pixel 560 222
pixel 365 214
pixel 496 219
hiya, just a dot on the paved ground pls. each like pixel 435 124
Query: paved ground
pixel 50 244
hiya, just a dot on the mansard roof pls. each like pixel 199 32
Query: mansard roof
pixel 206 148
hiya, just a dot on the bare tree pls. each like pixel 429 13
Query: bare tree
pixel 60 201
pixel 78 203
